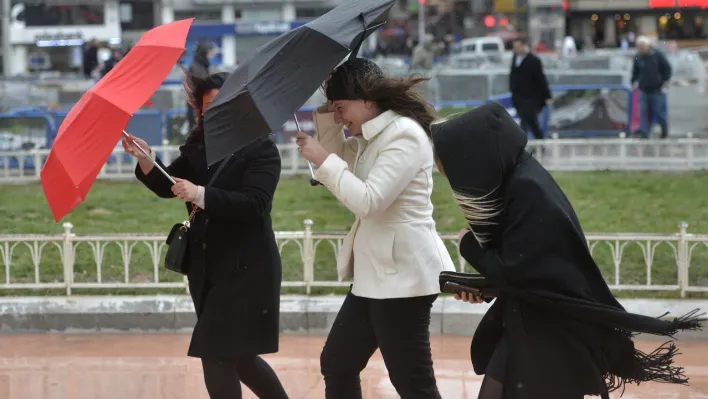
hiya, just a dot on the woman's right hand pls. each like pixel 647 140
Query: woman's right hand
pixel 129 146
pixel 469 297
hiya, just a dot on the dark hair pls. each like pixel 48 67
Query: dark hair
pixel 521 40
pixel 363 80
pixel 196 87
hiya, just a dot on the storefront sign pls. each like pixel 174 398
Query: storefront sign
pixel 264 28
pixel 273 28
pixel 662 3
pixel 47 36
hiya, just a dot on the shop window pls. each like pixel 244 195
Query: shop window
pixel 38 13
pixel 136 15
pixel 311 12
pixel 199 15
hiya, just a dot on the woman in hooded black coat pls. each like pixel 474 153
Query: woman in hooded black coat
pixel 555 331
pixel 235 270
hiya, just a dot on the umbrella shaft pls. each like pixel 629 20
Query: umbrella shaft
pixel 154 163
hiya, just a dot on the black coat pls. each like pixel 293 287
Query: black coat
pixel 567 334
pixel 527 83
pixel 235 271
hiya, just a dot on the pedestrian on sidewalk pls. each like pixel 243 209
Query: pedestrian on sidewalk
pixel 529 88
pixel 555 331
pixel 234 263
pixel 651 74
pixel 382 174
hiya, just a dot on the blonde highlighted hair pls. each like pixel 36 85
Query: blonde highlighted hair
pixel 479 211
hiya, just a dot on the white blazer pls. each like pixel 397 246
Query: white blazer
pixel 385 177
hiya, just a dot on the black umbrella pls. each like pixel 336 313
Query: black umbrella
pixel 275 81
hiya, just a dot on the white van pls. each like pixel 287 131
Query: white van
pixel 485 45
pixel 477 52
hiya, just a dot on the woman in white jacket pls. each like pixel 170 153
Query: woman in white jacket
pixel 383 174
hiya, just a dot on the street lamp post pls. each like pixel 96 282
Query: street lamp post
pixel 6 56
pixel 421 21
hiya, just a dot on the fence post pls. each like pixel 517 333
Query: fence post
pixel 683 260
pixel 37 163
pixel 689 150
pixel 68 258
pixel 294 158
pixel 623 148
pixel 556 150
pixel 308 256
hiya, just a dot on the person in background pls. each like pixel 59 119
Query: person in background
pixel 116 56
pixel 235 269
pixel 199 67
pixel 570 48
pixel 423 54
pixel 90 61
pixel 529 88
pixel 383 174
pixel 651 74
pixel 541 47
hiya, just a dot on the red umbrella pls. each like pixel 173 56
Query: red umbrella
pixel 94 125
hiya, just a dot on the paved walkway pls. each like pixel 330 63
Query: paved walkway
pixel 153 366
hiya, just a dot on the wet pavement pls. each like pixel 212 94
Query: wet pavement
pixel 153 366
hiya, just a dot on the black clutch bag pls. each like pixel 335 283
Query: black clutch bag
pixel 177 257
pixel 454 283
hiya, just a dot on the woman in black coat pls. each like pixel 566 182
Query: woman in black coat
pixel 555 331
pixel 235 270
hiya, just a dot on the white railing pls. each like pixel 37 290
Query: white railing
pixel 67 262
pixel 554 153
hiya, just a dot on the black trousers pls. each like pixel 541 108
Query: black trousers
pixel 399 328
pixel 528 114
pixel 223 378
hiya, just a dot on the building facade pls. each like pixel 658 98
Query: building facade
pixel 45 36
pixel 608 22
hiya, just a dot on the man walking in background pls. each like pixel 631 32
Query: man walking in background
pixel 651 74
pixel 528 86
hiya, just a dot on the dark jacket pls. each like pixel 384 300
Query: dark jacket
pixel 567 334
pixel 90 61
pixel 109 65
pixel 651 71
pixel 527 82
pixel 235 270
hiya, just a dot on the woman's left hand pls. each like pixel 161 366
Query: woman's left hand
pixel 462 234
pixel 310 148
pixel 184 190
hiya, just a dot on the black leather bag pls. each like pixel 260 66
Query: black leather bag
pixel 177 257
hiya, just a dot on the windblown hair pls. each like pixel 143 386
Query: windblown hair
pixel 195 87
pixel 363 80
pixel 480 212
pixel 399 94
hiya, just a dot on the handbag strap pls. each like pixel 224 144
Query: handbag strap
pixel 216 174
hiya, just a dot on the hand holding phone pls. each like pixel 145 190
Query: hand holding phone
pixel 463 293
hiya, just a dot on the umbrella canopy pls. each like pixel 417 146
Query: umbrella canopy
pixel 275 81
pixel 94 125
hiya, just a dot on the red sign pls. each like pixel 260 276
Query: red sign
pixel 693 3
pixel 662 3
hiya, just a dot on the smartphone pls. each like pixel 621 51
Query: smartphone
pixel 454 288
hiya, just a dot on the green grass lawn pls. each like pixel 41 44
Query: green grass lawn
pixel 605 202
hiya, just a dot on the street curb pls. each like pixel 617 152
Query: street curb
pixel 299 314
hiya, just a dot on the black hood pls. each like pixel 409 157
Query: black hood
pixel 478 150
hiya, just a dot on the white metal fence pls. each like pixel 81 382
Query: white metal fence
pixel 555 154
pixel 129 262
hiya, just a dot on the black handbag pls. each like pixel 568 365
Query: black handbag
pixel 177 257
